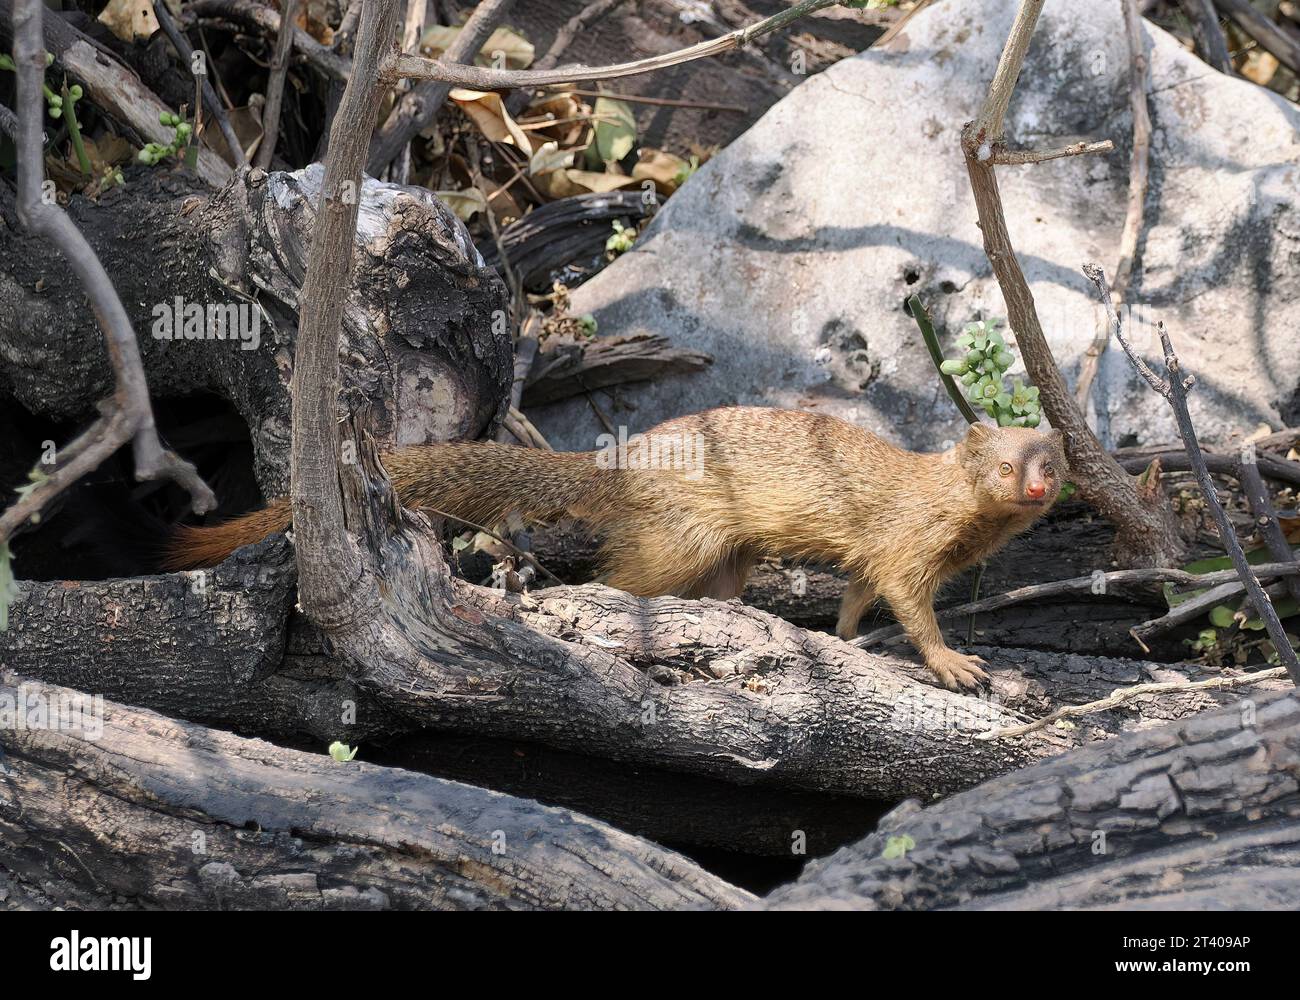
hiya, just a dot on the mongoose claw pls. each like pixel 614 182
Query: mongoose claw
pixel 958 671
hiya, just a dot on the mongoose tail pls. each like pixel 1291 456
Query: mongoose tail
pixel 479 481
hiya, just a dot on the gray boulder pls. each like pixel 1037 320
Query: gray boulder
pixel 789 256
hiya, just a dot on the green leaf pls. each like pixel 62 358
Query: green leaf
pixel 342 752
pixel 615 129
pixel 897 847
pixel 1221 616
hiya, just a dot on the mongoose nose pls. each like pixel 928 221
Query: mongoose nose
pixel 1035 490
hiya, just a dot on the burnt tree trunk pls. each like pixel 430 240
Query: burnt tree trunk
pixel 425 332
pixel 1201 814
pixel 172 814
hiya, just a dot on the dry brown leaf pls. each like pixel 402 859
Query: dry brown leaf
pixel 464 203
pixel 488 113
pixel 566 111
pixel 510 49
pixel 564 183
pixel 662 168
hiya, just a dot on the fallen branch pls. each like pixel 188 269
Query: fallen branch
pixel 1186 611
pixel 267 21
pixel 1197 815
pixel 128 414
pixel 1272 37
pixel 1223 465
pixel 1125 695
pixel 1139 167
pixel 1211 46
pixel 570 369
pixel 175 815
pixel 403 66
pixel 1174 389
pixel 1097 583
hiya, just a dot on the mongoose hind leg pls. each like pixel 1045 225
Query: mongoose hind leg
pixel 858 596
pixel 913 606
pixel 650 561
pixel 727 579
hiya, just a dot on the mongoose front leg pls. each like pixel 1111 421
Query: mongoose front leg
pixel 914 608
pixel 858 596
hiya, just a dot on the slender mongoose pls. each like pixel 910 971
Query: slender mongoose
pixel 689 506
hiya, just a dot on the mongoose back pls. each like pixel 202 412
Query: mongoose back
pixel 689 506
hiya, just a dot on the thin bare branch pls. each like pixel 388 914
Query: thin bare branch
pixel 485 78
pixel 418 107
pixel 128 413
pixel 987 127
pixel 1098 278
pixel 1147 533
pixel 1084 586
pixel 275 84
pixel 210 99
pixel 1210 43
pixel 1012 157
pixel 1139 165
pixel 1174 388
pixel 1123 695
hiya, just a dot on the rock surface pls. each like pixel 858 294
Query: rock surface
pixel 788 257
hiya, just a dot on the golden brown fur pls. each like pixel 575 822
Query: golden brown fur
pixel 771 482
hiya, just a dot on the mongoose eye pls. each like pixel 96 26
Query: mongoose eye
pixel 1049 469
pixel 1005 469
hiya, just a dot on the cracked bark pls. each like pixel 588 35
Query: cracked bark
pixel 1197 815
pixel 173 815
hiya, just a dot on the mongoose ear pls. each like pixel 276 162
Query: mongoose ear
pixel 978 434
pixel 1057 437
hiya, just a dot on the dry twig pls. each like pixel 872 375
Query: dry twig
pixel 127 415
pixel 1174 389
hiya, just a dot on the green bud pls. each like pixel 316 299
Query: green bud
pixel 1032 419
pixel 1005 359
pixel 970 378
pixel 1004 419
pixel 953 368
pixel 75 92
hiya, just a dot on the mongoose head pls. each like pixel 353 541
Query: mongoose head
pixel 1015 471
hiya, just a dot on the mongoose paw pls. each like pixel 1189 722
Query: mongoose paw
pixel 958 671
